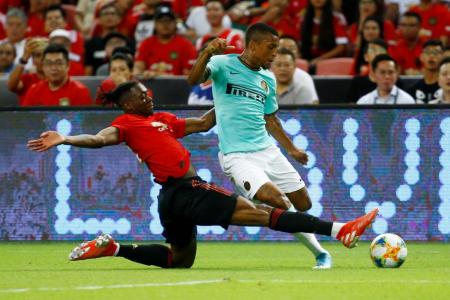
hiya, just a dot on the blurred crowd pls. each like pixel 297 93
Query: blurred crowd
pixel 43 43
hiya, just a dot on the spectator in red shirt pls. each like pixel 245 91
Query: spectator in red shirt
pixel 62 37
pixel 129 20
pixel 409 46
pixel 435 19
pixel 5 5
pixel 371 8
pixel 107 19
pixel 2 28
pixel 36 24
pixel 282 17
pixel 127 15
pixel 181 7
pixel 20 81
pixel 58 89
pixel 215 11
pixel 55 18
pixel 323 32
pixel 166 52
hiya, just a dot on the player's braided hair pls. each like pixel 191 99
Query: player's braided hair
pixel 116 96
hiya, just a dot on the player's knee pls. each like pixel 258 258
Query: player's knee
pixel 303 205
pixel 272 196
pixel 279 200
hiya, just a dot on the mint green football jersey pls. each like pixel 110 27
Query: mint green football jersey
pixel 241 98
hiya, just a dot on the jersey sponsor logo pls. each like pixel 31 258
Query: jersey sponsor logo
pixel 432 21
pixel 161 67
pixel 160 126
pixel 64 101
pixel 238 90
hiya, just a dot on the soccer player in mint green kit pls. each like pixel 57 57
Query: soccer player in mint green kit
pixel 244 92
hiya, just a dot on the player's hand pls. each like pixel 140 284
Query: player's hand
pixel 300 156
pixel 47 140
pixel 218 46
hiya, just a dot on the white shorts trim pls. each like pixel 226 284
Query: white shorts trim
pixel 250 170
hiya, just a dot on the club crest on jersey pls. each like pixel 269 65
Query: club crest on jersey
pixel 432 21
pixel 160 126
pixel 264 86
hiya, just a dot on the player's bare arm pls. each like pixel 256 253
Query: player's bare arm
pixel 199 73
pixel 204 123
pixel 106 137
pixel 274 127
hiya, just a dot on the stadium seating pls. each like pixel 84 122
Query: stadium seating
pixel 7 98
pixel 302 64
pixel 335 66
pixel 175 90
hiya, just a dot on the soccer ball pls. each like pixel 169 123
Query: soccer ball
pixel 388 251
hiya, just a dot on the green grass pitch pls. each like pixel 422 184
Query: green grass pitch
pixel 276 270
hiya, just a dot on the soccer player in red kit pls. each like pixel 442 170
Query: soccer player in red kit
pixel 185 199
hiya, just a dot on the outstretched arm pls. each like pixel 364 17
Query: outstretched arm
pixel 106 137
pixel 204 123
pixel 199 73
pixel 274 127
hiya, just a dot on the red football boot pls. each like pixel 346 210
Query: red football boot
pixel 351 231
pixel 101 246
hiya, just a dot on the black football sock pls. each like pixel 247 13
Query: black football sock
pixel 286 221
pixel 150 255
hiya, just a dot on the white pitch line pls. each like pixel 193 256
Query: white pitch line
pixel 425 281
pixel 223 280
pixel 116 286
